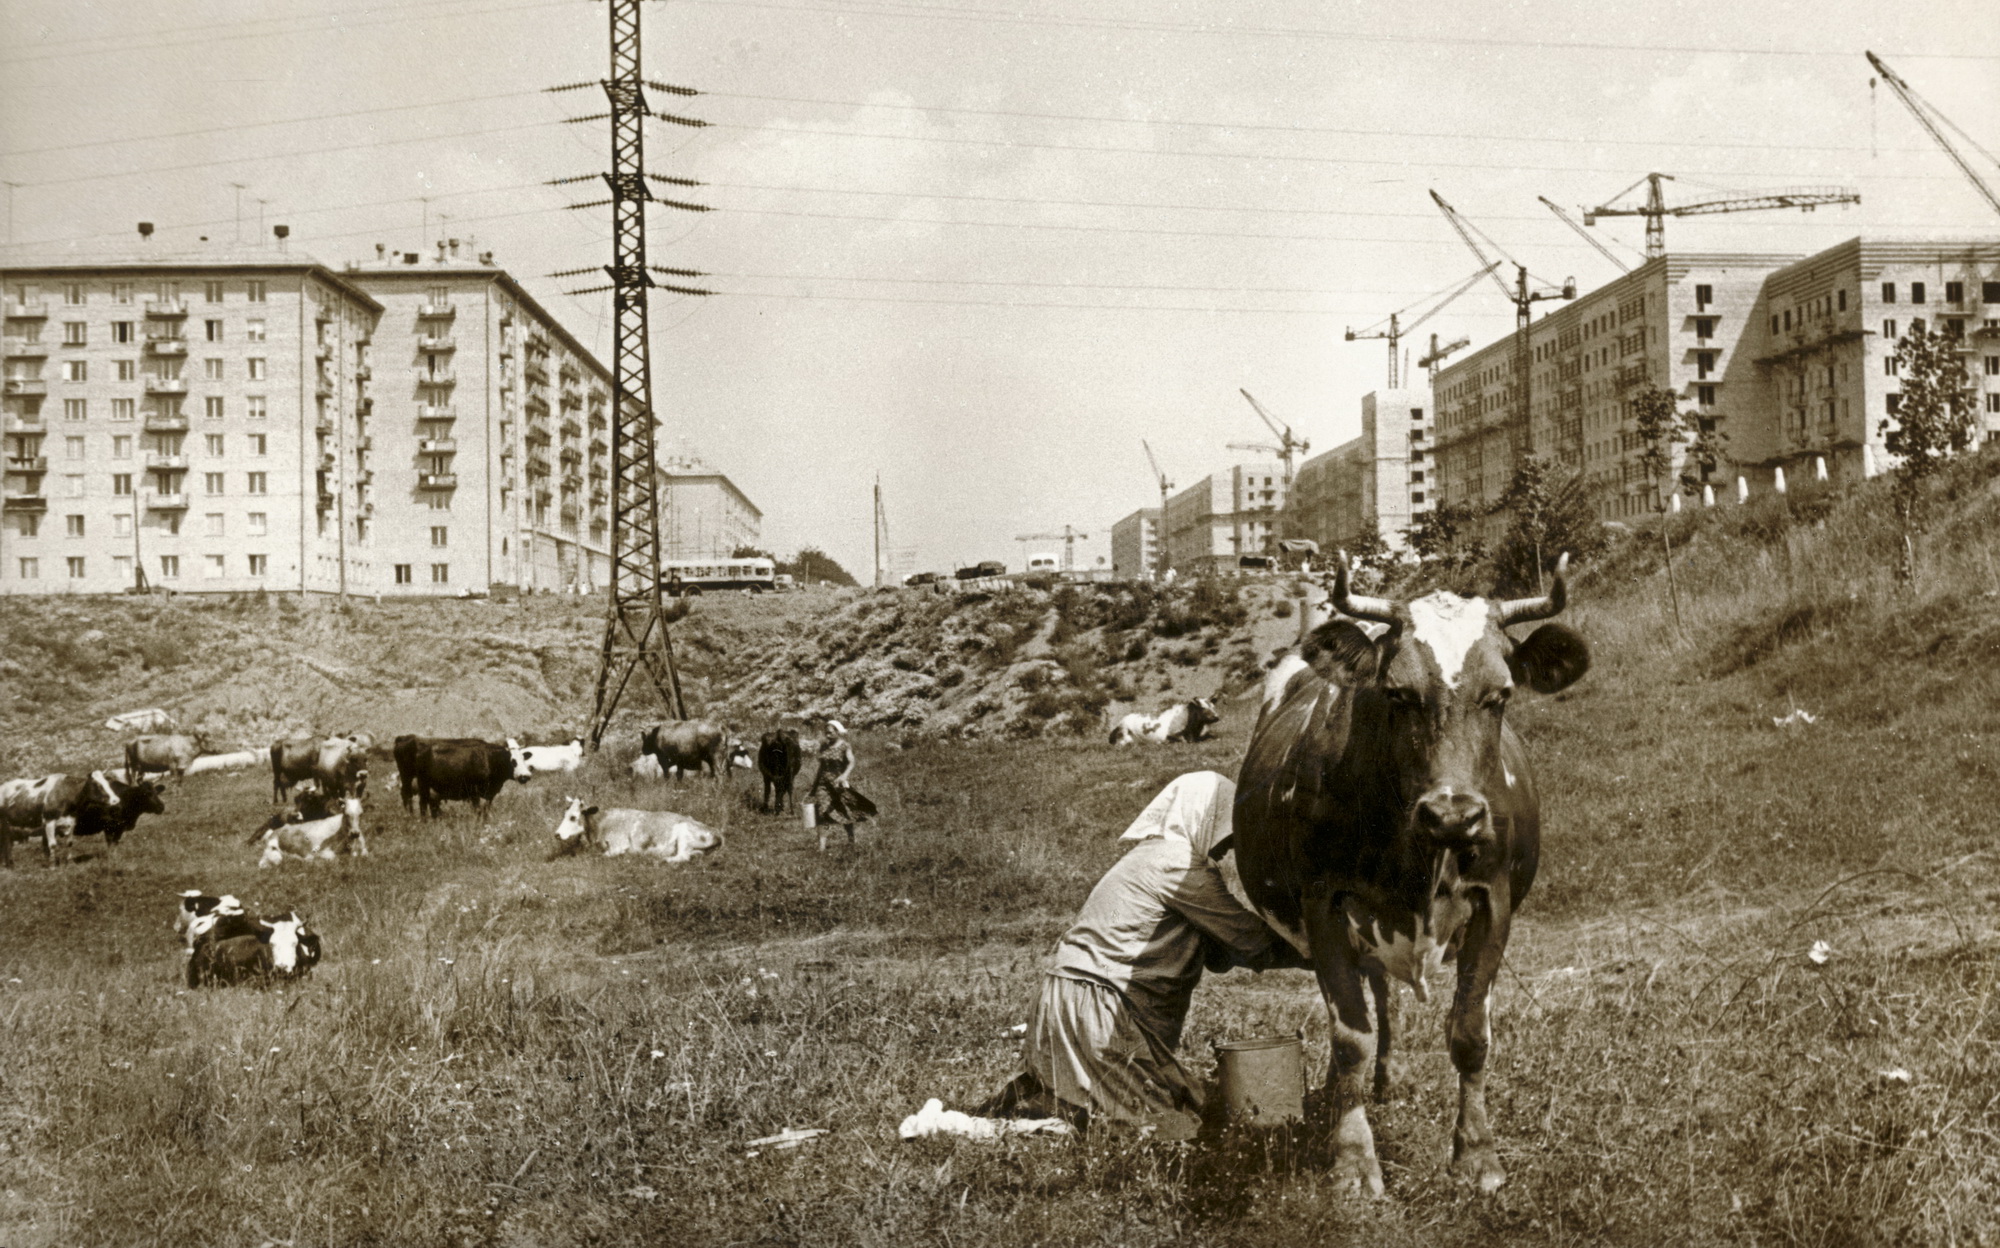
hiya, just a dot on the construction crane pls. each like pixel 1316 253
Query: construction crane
pixel 1069 537
pixel 1931 119
pixel 1288 446
pixel 1583 234
pixel 1524 298
pixel 1160 530
pixel 1435 356
pixel 1656 212
pixel 1396 329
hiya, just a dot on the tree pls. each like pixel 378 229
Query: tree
pixel 813 564
pixel 1663 430
pixel 752 552
pixel 1442 537
pixel 1550 509
pixel 1933 418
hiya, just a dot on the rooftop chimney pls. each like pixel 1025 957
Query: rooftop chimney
pixel 381 251
pixel 283 232
pixel 454 249
pixel 440 259
pixel 145 229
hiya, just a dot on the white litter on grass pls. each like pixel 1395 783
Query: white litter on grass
pixel 1018 1029
pixel 1895 1074
pixel 1799 715
pixel 790 1137
pixel 935 1119
pixel 1819 953
pixel 658 1054
pixel 902 901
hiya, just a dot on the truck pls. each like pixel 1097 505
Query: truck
pixel 985 567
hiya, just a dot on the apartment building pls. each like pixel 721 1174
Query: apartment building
pixel 188 420
pixel 703 515
pixel 1135 546
pixel 1376 484
pixel 1686 321
pixel 1224 516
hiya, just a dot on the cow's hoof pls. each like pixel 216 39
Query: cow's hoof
pixel 1359 1173
pixel 1480 1166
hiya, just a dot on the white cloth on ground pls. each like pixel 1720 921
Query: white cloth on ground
pixel 935 1119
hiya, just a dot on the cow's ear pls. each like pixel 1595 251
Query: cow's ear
pixel 1554 657
pixel 1339 651
pixel 589 811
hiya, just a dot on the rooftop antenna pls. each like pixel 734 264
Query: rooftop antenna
pixel 237 236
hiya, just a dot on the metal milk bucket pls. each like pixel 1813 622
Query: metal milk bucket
pixel 1263 1078
pixel 810 813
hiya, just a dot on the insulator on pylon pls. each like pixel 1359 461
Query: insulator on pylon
pixel 675 203
pixel 661 177
pixel 670 89
pixel 696 122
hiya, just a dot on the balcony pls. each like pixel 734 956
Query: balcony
pixel 323 387
pixel 327 461
pixel 571 456
pixel 536 371
pixel 27 463
pixel 437 446
pixel 597 420
pixel 166 346
pixel 364 404
pixel 597 497
pixel 366 442
pixel 24 501
pixel 439 377
pixel 167 308
pixel 570 398
pixel 324 423
pixel 437 342
pixel 37 311
pixel 21 348
pixel 166 422
pixel 166 385
pixel 437 480
pixel 538 465
pixel 571 482
pixel 322 351
pixel 156 462
pixel 597 446
pixel 27 385
pixel 326 500
pixel 542 495
pixel 436 311
pixel 166 502
pixel 23 422
pixel 437 411
pixel 537 436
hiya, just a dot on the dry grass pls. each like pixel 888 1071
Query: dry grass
pixel 506 1050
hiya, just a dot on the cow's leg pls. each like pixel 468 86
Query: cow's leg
pixel 1353 1034
pixel 1380 989
pixel 1474 1157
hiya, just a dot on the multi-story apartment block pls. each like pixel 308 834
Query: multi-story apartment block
pixel 702 513
pixel 1376 484
pixel 1135 546
pixel 1224 516
pixel 189 420
pixel 1679 321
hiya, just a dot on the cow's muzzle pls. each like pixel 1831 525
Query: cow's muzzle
pixel 1453 817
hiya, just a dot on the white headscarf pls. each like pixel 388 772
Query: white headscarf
pixel 1197 807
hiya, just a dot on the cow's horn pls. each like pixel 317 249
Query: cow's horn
pixel 1521 610
pixel 1360 606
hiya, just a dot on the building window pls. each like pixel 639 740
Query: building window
pixel 259 523
pixel 254 292
pixel 1889 330
pixel 1704 327
pixel 1954 292
pixel 76 334
pixel 1890 366
pixel 1894 403
pixel 31 568
pixel 121 525
pixel 171 524
pixel 440 501
pixel 440 574
pixel 121 568
pixel 76 409
pixel 440 535
pixel 73 485
pixel 259 564
pixel 403 574
pixel 258 443
pixel 1840 297
pixel 212 407
pixel 211 370
pixel 258 482
pixel 1888 292
pixel 121 484
pixel 214 443
pixel 1993 366
pixel 1993 402
pixel 1703 296
pixel 211 482
pixel 1774 322
pixel 75 567
pixel 74 525
pixel 170 567
pixel 124 409
pixel 72 448
pixel 213 568
pixel 253 407
pixel 1704 362
pixel 121 292
pixel 121 331
pixel 255 365
pixel 1916 292
pixel 76 370
pixel 214 524
pixel 73 294
pixel 128 370
pixel 253 331
pixel 211 292
pixel 212 330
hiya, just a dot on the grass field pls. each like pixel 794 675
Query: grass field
pixel 501 1049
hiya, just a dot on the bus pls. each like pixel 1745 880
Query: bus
pixel 708 576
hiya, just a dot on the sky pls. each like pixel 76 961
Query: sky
pixel 980 249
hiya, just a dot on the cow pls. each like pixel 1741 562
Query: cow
pixel 292 760
pixel 112 807
pixel 541 758
pixel 457 770
pixel 779 757
pixel 1187 722
pixel 662 833
pixel 404 750
pixel 341 767
pixel 278 947
pixel 203 917
pixel 694 744
pixel 55 805
pixel 315 839
pixel 1386 821
pixel 171 754
pixel 195 907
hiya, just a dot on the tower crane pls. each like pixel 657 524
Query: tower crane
pixel 1656 212
pixel 1069 537
pixel 1288 446
pixel 1930 119
pixel 1582 233
pixel 1435 356
pixel 1524 298
pixel 1396 329
pixel 1166 487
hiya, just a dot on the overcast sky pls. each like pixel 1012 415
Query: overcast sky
pixel 983 247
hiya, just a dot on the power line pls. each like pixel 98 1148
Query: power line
pixel 1075 307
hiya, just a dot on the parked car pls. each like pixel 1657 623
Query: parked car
pixel 921 578
pixel 985 567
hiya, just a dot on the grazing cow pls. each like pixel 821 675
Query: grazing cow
pixel 113 807
pixel 278 947
pixel 779 757
pixel 171 754
pixel 405 749
pixel 341 767
pixel 1187 722
pixel 662 833
pixel 292 762
pixel 1386 821
pixel 693 744
pixel 541 758
pixel 56 804
pixel 457 771
pixel 314 839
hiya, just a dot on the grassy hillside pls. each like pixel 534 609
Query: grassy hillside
pixel 505 1050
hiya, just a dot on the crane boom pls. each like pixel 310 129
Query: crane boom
pixel 1458 223
pixel 1398 329
pixel 1921 109
pixel 1288 444
pixel 1160 527
pixel 1582 233
pixel 1656 211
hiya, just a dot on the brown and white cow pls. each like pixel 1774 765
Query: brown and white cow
pixel 256 950
pixel 661 833
pixel 315 838
pixel 1187 722
pixel 1386 822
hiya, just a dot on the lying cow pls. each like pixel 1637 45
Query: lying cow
pixel 456 770
pixel 693 744
pixel 549 758
pixel 280 947
pixel 662 833
pixel 322 839
pixel 779 758
pixel 172 754
pixel 1187 722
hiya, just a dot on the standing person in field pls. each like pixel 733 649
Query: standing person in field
pixel 1102 1034
pixel 845 804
